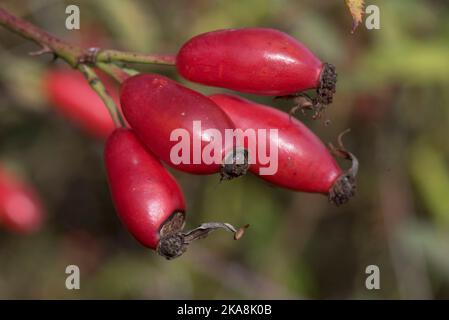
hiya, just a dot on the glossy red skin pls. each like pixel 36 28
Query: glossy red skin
pixel 144 192
pixel 304 162
pixel 255 60
pixel 69 92
pixel 20 208
pixel 155 105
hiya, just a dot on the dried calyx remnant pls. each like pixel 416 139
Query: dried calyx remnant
pixel 344 187
pixel 174 241
pixel 326 90
pixel 235 164
pixel 324 94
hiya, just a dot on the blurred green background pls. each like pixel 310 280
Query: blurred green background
pixel 392 92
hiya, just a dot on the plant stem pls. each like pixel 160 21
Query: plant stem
pixel 100 89
pixel 129 71
pixel 73 54
pixel 114 71
pixel 48 42
pixel 82 58
pixel 115 55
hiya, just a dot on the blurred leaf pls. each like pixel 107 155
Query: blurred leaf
pixel 135 27
pixel 233 14
pixel 356 8
pixel 22 77
pixel 421 238
pixel 320 35
pixel 431 176
pixel 411 63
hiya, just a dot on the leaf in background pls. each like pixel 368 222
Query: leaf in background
pixel 409 62
pixel 420 238
pixel 22 78
pixel 431 176
pixel 356 8
pixel 225 14
pixel 320 34
pixel 132 23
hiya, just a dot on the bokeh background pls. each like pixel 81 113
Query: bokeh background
pixel 392 92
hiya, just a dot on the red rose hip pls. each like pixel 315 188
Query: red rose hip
pixel 256 60
pixel 166 115
pixel 147 198
pixel 304 163
pixel 20 207
pixel 69 92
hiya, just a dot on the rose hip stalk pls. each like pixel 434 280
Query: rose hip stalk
pixel 257 60
pixel 20 208
pixel 70 94
pixel 161 111
pixel 304 163
pixel 148 199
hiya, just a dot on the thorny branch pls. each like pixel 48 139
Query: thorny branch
pixel 84 58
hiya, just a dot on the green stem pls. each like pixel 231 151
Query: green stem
pixel 74 54
pixel 48 42
pixel 119 74
pixel 100 89
pixel 81 58
pixel 133 57
pixel 130 72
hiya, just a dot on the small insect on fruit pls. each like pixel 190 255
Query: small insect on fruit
pixel 148 199
pixel 304 162
pixel 260 61
pixel 171 119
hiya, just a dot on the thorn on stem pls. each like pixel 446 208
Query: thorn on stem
pixel 44 50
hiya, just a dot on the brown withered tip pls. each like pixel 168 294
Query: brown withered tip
pixel 328 82
pixel 174 242
pixel 324 94
pixel 240 232
pixel 344 187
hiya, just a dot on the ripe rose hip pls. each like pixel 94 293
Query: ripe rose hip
pixel 69 92
pixel 147 198
pixel 304 163
pixel 156 107
pixel 256 60
pixel 20 208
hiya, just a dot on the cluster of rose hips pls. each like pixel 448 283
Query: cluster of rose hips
pixel 252 60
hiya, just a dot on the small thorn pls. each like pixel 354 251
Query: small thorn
pixel 43 50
